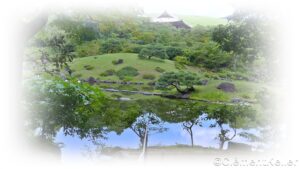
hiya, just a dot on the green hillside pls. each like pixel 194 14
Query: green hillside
pixel 202 20
pixel 101 63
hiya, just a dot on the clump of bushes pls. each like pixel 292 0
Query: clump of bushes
pixel 180 62
pixel 127 71
pixel 179 66
pixel 211 75
pixel 132 48
pixel 90 48
pixel 153 50
pixel 149 76
pixel 126 79
pixel 111 46
pixel 172 52
pixel 109 72
pixel 88 67
pixel 117 62
pixel 159 69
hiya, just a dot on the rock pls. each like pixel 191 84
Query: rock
pixel 146 93
pixel 185 96
pixel 236 100
pixel 203 82
pixel 91 80
pixel 227 87
pixel 124 99
pixel 111 90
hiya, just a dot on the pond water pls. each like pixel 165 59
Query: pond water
pixel 204 136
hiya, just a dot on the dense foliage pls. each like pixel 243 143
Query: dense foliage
pixel 54 104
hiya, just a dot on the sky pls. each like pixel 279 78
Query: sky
pixel 204 136
pixel 213 8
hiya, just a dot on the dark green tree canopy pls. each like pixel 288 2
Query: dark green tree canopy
pixel 75 107
pixel 211 56
pixel 183 82
pixel 153 50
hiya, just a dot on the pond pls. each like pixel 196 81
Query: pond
pixel 205 136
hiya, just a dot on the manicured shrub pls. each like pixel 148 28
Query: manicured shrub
pixel 117 62
pixel 88 67
pixel 127 71
pixel 126 78
pixel 159 69
pixel 109 72
pixel 182 60
pixel 148 76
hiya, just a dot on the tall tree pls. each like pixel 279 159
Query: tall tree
pixel 153 50
pixel 235 117
pixel 246 36
pixel 146 124
pixel 53 104
pixel 56 52
pixel 188 126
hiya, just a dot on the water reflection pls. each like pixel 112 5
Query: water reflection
pixel 204 136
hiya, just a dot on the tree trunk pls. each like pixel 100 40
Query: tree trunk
pixel 192 137
pixel 144 144
pixel 222 142
pixel 235 60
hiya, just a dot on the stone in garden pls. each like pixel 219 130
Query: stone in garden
pixel 227 87
pixel 91 80
pixel 203 82
pixel 236 100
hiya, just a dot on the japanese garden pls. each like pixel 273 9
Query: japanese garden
pixel 138 85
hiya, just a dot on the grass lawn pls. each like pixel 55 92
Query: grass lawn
pixel 245 90
pixel 101 63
